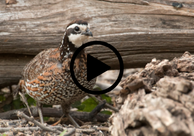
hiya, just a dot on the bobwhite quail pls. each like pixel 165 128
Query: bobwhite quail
pixel 47 77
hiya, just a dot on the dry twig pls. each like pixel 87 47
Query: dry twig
pixel 43 127
pixel 70 131
pixel 97 109
pixel 106 105
pixel 25 102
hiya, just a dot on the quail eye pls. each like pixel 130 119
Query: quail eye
pixel 76 28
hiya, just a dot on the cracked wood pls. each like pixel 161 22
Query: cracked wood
pixel 139 30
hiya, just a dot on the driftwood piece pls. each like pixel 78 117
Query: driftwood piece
pixel 162 104
pixel 140 30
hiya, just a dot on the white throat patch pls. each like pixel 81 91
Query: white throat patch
pixel 77 39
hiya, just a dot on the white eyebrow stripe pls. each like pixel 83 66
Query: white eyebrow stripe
pixel 74 25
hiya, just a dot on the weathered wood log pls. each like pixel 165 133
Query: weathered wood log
pixel 139 30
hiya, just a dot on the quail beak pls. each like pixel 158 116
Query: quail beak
pixel 87 33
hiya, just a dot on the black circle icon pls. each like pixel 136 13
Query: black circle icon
pixel 90 44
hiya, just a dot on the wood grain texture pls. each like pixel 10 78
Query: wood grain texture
pixel 139 30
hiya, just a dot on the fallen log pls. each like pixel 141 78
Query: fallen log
pixel 139 30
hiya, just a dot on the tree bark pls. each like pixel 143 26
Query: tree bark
pixel 157 101
pixel 140 30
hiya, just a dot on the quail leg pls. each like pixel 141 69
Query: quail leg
pixel 66 109
pixel 39 107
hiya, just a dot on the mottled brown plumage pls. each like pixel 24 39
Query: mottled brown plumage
pixel 47 77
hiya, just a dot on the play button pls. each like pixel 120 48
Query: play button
pixel 95 67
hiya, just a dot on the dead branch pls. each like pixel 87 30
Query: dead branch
pixel 19 129
pixel 53 112
pixel 106 104
pixel 70 131
pixel 43 127
pixel 96 110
